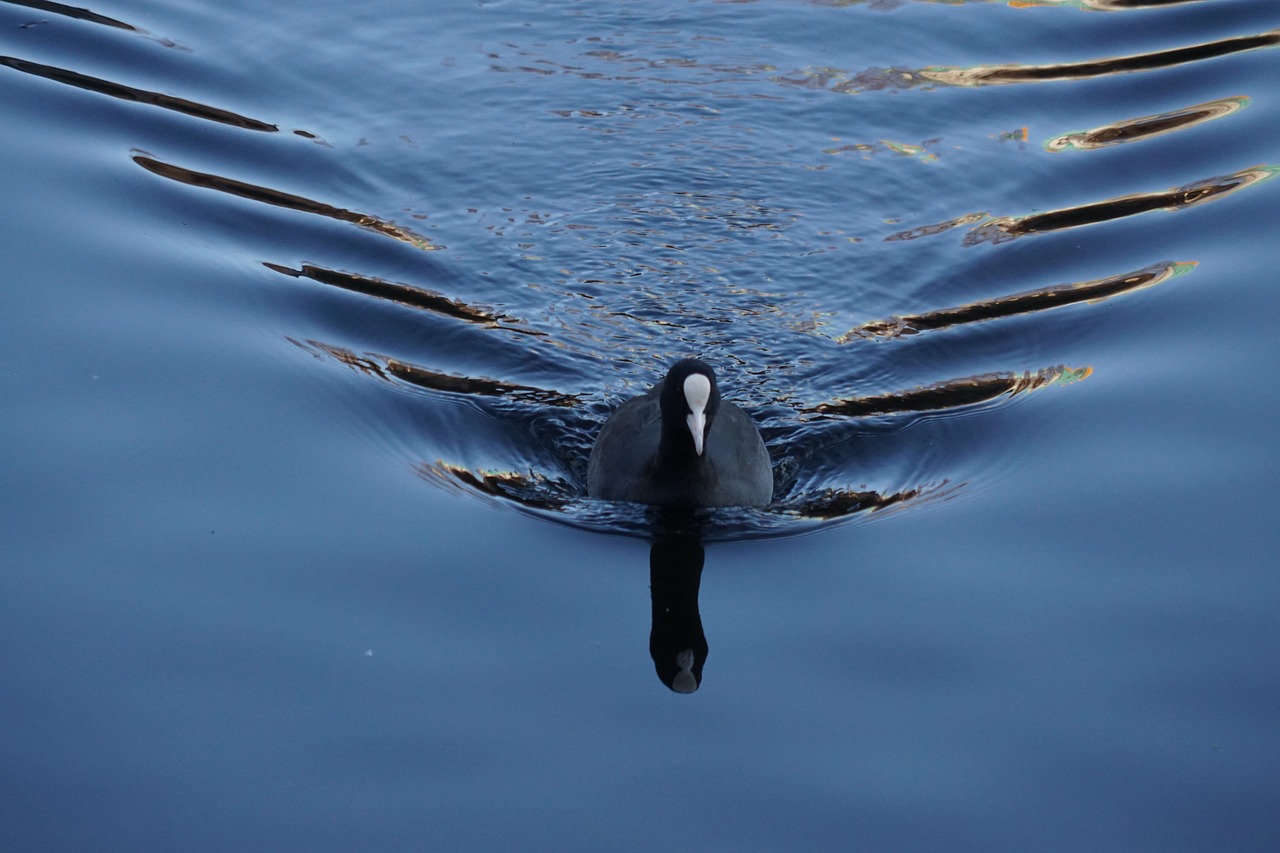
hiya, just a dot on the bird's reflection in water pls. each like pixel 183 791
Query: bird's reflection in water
pixel 677 642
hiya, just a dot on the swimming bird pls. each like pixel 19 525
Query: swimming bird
pixel 680 445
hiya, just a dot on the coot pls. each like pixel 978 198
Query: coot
pixel 680 445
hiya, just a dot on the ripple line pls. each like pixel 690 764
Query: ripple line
pixel 1023 303
pixel 952 394
pixel 387 368
pixel 141 96
pixel 993 75
pixel 1007 228
pixel 403 294
pixel 266 195
pixel 885 79
pixel 74 12
pixel 1100 5
pixel 1147 127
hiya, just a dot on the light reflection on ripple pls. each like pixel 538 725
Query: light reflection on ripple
pixel 1146 127
pixel 1000 229
pixel 1102 5
pixel 992 75
pixel 882 79
pixel 1022 303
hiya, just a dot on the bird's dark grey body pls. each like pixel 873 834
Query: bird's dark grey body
pixel 632 460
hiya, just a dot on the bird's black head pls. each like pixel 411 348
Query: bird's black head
pixel 689 400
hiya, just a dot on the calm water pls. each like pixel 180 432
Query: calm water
pixel 310 313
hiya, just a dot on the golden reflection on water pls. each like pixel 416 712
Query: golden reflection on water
pixel 903 149
pixel 831 504
pixel 1089 5
pixel 532 490
pixel 1100 5
pixel 1147 127
pixel 881 79
pixel 994 75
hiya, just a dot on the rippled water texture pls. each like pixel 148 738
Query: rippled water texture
pixel 311 313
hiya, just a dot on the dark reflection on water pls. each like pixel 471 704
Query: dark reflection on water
pixel 1146 127
pixel 141 96
pixel 278 198
pixel 1000 229
pixel 989 75
pixel 677 642
pixel 957 392
pixel 1022 303
pixel 1102 5
pixel 404 294
pixel 880 79
pixel 386 368
pixel 1095 5
pixel 73 12
pixel 1007 228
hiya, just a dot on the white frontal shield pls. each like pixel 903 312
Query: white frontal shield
pixel 697 391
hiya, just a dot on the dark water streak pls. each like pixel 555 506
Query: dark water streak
pixel 266 195
pixel 1147 127
pixel 1199 192
pixel 75 12
pixel 896 78
pixel 1022 303
pixel 141 96
pixel 404 294
pixel 953 394
pixel 1004 228
pixel 989 75
pixel 385 368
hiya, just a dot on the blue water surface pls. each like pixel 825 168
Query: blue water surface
pixel 310 312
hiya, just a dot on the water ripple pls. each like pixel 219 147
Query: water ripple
pixel 1146 127
pixel 680 191
pixel 141 96
pixel 880 79
pixel 1000 229
pixel 279 198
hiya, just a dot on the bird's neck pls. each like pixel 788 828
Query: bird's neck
pixel 675 447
